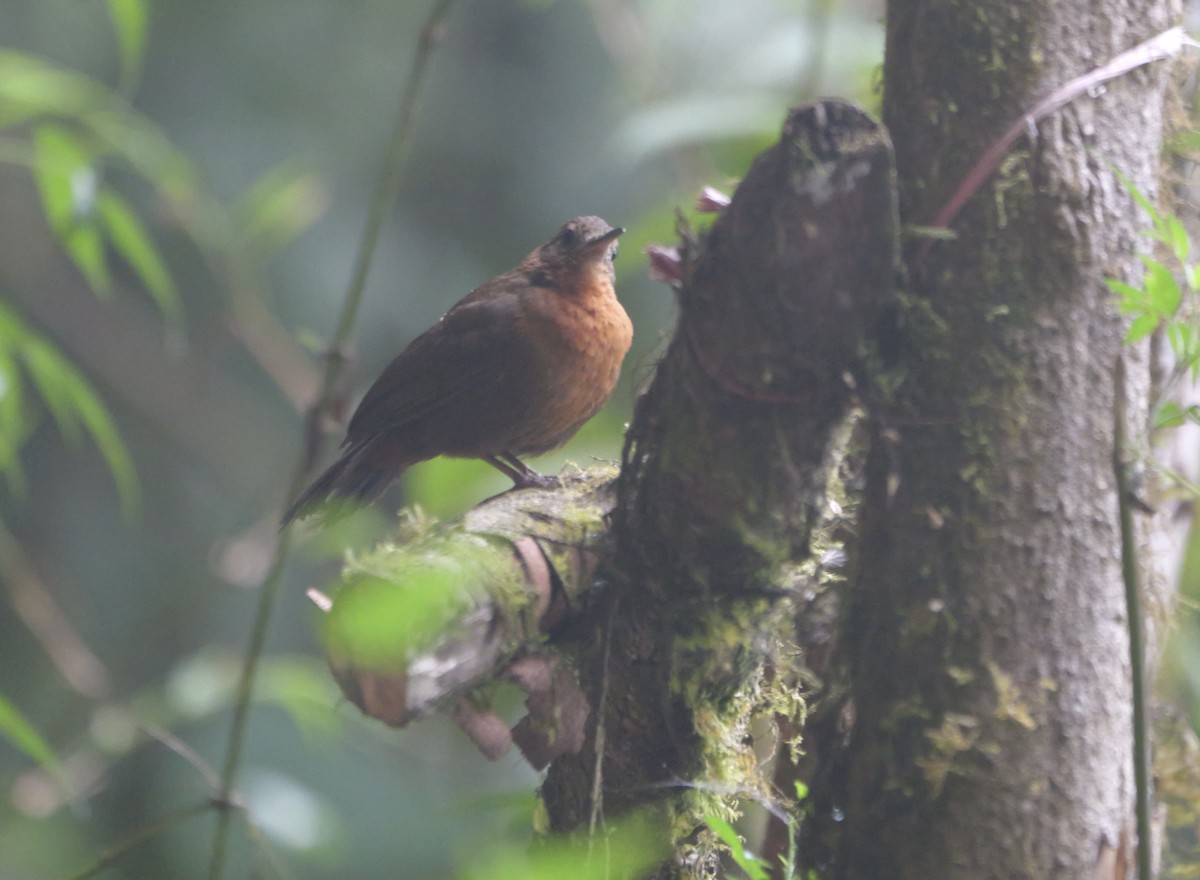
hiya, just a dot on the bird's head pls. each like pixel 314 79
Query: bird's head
pixel 582 244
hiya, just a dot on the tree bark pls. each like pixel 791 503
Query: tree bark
pixel 985 636
pixel 979 723
pixel 724 471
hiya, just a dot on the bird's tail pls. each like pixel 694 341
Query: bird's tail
pixel 350 481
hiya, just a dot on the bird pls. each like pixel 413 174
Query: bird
pixel 513 369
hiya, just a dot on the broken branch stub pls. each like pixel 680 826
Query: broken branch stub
pixel 780 303
pixel 416 626
pixel 725 471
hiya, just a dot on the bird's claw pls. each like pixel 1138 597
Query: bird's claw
pixel 534 480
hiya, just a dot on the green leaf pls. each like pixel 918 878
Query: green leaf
pixel 66 178
pixel 14 335
pixel 95 420
pixel 129 20
pixel 1162 289
pixel 381 623
pixel 753 867
pixel 61 166
pixel 85 246
pixel 282 203
pixel 1185 344
pixel 1169 415
pixel 1142 326
pixel 75 407
pixel 801 790
pixel 14 423
pixel 1138 197
pixel 30 88
pixel 1177 238
pixel 22 735
pixel 300 686
pixel 1192 414
pixel 624 850
pixel 132 241
pixel 1133 299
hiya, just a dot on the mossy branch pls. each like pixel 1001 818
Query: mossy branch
pixel 422 624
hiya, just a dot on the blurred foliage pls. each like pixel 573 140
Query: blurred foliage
pixel 182 187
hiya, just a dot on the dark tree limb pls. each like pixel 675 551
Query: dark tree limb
pixel 724 473
pixel 487 589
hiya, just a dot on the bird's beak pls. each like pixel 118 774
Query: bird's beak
pixel 600 242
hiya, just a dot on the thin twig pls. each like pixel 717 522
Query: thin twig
pixel 1133 603
pixel 116 852
pixel 385 194
pixel 1164 45
pixel 166 738
pixel 37 608
pixel 597 811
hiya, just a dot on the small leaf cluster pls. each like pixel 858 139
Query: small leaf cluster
pixel 1168 300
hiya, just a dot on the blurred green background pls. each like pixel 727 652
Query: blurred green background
pixel 248 138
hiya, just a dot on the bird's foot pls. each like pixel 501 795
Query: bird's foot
pixel 533 480
pixel 523 476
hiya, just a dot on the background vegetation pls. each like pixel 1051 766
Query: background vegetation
pixel 180 201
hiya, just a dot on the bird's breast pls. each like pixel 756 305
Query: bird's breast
pixel 580 342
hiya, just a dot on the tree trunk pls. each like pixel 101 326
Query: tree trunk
pixel 978 723
pixel 724 472
pixel 986 634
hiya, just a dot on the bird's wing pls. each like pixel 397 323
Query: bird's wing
pixel 474 351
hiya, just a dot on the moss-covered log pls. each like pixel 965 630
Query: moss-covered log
pixel 420 624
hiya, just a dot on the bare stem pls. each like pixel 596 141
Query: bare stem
pixel 114 853
pixel 385 195
pixel 1133 603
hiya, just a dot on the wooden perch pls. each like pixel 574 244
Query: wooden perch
pixel 417 626
pixel 780 302
pixel 724 475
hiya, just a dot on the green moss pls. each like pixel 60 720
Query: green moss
pixel 1010 703
pixel 958 733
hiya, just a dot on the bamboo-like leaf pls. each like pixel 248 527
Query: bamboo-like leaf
pixel 14 423
pixel 15 728
pixel 14 335
pixel 73 404
pixel 66 179
pixel 282 203
pixel 132 241
pixel 129 20
pixel 31 88
pixel 85 246
pixel 41 359
pixel 58 156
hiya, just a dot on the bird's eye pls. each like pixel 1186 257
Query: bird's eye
pixel 568 236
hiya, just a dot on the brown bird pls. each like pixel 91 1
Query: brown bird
pixel 514 368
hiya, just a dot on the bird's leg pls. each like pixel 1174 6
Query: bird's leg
pixel 523 476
